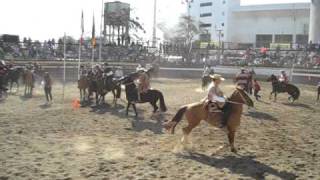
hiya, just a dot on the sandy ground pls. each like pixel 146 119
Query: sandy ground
pixel 278 141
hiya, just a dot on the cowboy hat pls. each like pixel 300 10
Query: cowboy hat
pixel 141 69
pixel 217 77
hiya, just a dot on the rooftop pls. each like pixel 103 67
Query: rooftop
pixel 273 7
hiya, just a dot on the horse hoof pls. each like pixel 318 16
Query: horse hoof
pixel 234 150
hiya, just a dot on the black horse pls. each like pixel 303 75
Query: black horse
pixel 111 84
pixel 101 86
pixel 152 96
pixel 279 87
pixel 14 76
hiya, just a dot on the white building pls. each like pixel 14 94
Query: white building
pixel 254 25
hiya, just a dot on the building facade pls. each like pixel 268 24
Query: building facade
pixel 251 26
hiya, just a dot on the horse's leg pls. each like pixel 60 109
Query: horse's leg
pixel 127 110
pixel 231 135
pixel 135 109
pixel 275 97
pixel 192 123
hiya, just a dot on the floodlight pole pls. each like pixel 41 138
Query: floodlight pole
pixel 154 34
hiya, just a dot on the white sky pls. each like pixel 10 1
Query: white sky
pixel 43 19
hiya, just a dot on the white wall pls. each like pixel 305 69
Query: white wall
pixel 244 26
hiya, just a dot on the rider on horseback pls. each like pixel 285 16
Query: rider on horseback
pixel 242 79
pixel 143 82
pixel 82 71
pixel 216 99
pixel 283 78
pixel 3 73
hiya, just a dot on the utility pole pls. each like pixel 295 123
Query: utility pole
pixel 154 34
pixel 219 48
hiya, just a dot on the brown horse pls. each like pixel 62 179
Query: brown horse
pixel 83 85
pixel 29 83
pixel 196 112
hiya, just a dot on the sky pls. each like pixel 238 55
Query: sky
pixel 44 19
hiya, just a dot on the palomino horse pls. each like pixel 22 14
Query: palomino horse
pixel 196 112
pixel 83 85
pixel 278 87
pixel 29 83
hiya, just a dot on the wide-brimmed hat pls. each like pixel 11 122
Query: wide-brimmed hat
pixel 217 77
pixel 141 69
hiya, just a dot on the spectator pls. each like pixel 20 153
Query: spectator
pixel 48 87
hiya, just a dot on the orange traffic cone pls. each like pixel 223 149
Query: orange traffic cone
pixel 75 104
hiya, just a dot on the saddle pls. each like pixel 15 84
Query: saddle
pixel 226 110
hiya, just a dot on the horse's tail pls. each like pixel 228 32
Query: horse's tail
pixel 118 92
pixel 295 93
pixel 163 106
pixel 170 126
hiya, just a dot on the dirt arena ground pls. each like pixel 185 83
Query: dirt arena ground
pixel 277 141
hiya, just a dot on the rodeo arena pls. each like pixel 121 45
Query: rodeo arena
pixel 232 91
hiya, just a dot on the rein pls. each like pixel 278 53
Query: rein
pixel 233 102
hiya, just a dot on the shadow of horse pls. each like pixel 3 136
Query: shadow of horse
pixel 154 126
pixel 299 105
pixel 261 116
pixel 242 165
pixel 107 108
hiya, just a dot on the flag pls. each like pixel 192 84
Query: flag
pixel 93 38
pixel 82 28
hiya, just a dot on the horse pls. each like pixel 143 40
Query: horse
pixel 95 85
pixel 111 85
pixel 28 82
pixel 83 85
pixel 152 96
pixel 196 112
pixel 279 87
pixel 14 76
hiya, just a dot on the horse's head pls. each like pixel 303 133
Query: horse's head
pixel 272 78
pixel 240 96
pixel 128 79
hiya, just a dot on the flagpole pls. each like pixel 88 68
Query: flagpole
pixel 80 44
pixel 64 74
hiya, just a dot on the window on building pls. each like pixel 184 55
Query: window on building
pixel 263 40
pixel 205 37
pixel 222 24
pixel 283 38
pixel 302 39
pixel 222 13
pixel 205 4
pixel 223 1
pixel 205 25
pixel 205 14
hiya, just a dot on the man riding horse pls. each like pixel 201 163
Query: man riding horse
pixel 3 74
pixel 143 82
pixel 242 79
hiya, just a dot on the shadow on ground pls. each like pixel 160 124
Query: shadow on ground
pixel 261 116
pixel 242 165
pixel 155 125
pixel 299 105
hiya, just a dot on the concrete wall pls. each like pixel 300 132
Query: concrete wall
pixel 244 26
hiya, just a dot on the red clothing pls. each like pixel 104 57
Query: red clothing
pixel 256 86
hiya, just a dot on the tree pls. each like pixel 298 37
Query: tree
pixel 182 36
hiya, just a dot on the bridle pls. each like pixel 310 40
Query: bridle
pixel 243 99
